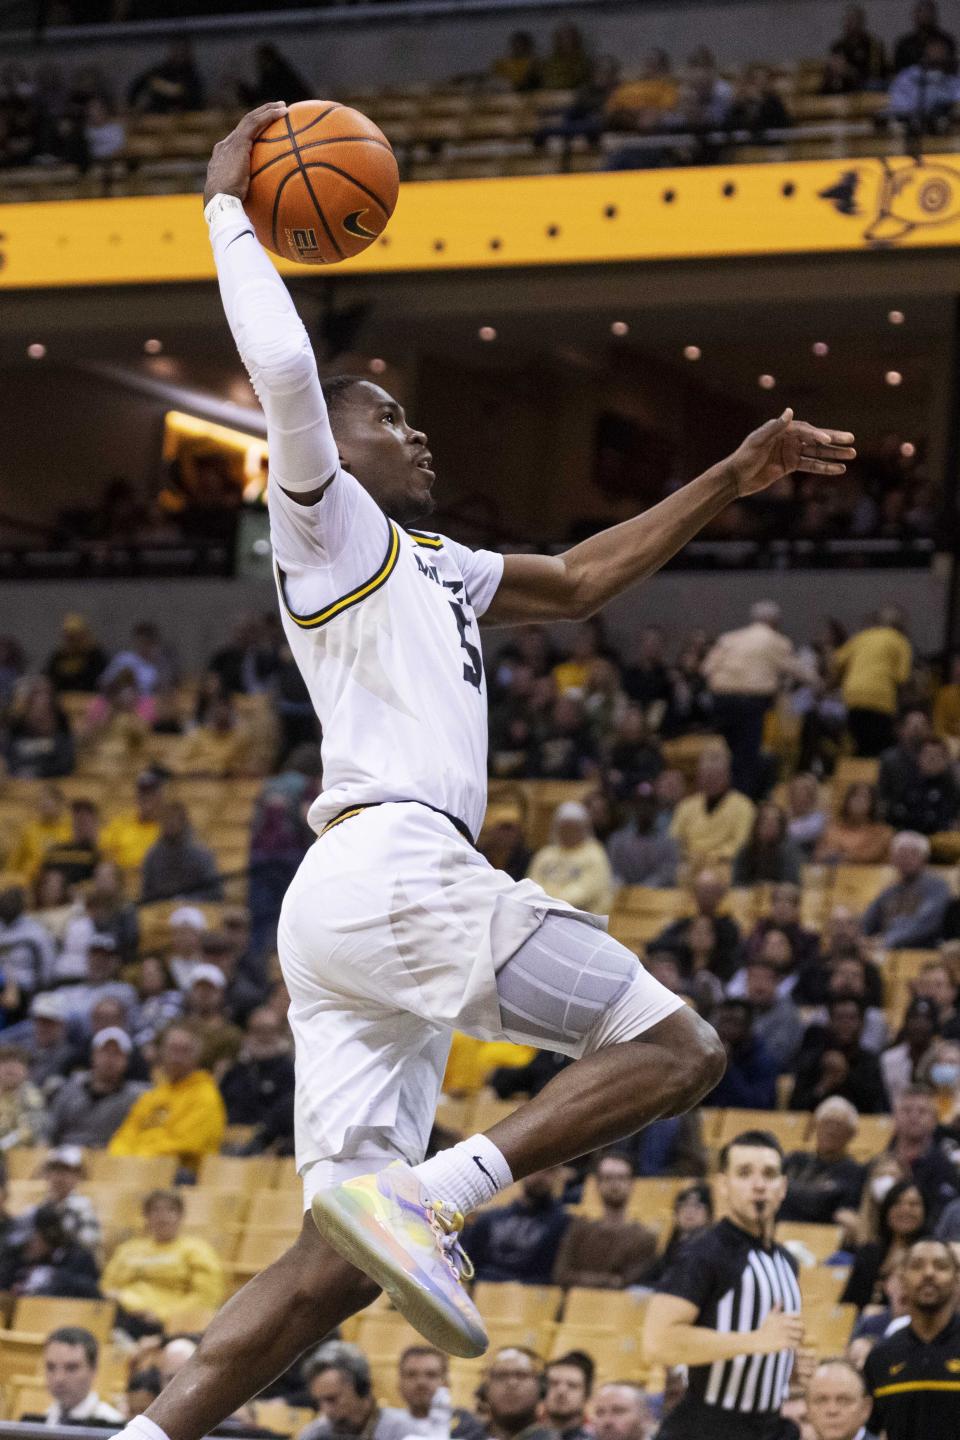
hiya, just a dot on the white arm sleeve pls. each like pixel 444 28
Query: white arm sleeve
pixel 275 348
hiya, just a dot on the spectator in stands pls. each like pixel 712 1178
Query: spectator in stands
pixel 903 1219
pixel 671 1146
pixel 44 1037
pixel 620 1412
pixel 900 764
pixel 574 865
pixel 101 911
pixel 910 912
pixel 705 101
pixel 633 754
pixel 159 1000
pixel 569 1384
pixel 942 1074
pixel 745 669
pixel 205 1012
pixel 78 857
pixel 279 839
pixel 187 925
pixel 162 1278
pixel 514 1386
pixel 904 1062
pixel 872 666
pixel 565 748
pixel 101 981
pixel 90 1107
pixel 143 1387
pixel 857 836
pixel 647 680
pixel 709 893
pixel 145 659
pixel 692 1216
pixel 910 48
pixel 784 915
pixel 807 818
pixel 935 982
pixel 183 1115
pixel 70 1356
pixel 275 79
pixel 915 1147
pixel 946 705
pixel 568 66
pixel 848 975
pixel 421 1372
pixel 341 1386
pixel 23 1115
pixel 242 993
pixel 644 104
pixel 931 802
pixel 178 864
pixel 26 947
pixel 826 1179
pixel 769 856
pixel 520 67
pixel 502 840
pixel 219 746
pixel 750 1082
pixel 833 1061
pixel 711 825
pixel 170 87
pixel 63 1171
pixel 130 834
pixel 611 1253
pixel 639 852
pixel 51 825
pixel 46 1261
pixel 860 54
pixel 776 1020
pixel 78 661
pixel 263 1075
pixel 838 1405
pixel 520 1241
pixel 37 743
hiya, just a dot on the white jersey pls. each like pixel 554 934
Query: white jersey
pixel 382 622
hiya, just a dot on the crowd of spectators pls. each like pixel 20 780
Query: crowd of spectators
pixel 46 117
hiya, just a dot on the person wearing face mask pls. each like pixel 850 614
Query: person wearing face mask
pixel 942 1072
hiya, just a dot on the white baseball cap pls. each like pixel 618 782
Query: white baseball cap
pixel 212 974
pixel 114 1033
pixel 189 915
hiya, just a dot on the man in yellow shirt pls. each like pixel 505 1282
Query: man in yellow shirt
pixel 644 103
pixel 711 824
pixel 183 1115
pixel 51 827
pixel 129 835
pixel 163 1280
pixel 872 666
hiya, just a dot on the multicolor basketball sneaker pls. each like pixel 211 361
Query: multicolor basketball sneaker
pixel 386 1226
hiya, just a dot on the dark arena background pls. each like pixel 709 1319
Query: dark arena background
pixel 628 233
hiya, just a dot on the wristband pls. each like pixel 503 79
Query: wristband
pixel 224 211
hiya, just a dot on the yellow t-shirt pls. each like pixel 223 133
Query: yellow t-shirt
pixel 164 1279
pixel 946 712
pixel 212 752
pixel 126 839
pixel 581 876
pixel 34 841
pixel 185 1119
pixel 708 836
pixel 874 664
pixel 471 1061
pixel 659 93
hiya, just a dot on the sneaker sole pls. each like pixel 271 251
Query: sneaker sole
pixel 413 1302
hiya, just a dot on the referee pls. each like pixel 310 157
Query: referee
pixel 729 1308
pixel 914 1374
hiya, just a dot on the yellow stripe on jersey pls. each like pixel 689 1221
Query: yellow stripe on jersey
pixel 431 542
pixel 910 1386
pixel 339 819
pixel 353 597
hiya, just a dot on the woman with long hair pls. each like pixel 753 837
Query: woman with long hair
pixel 769 856
pixel 692 1213
pixel 902 1220
pixel 858 836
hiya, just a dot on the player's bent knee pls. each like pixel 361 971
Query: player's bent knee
pixel 701 1058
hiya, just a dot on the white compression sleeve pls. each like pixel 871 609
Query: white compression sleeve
pixel 275 349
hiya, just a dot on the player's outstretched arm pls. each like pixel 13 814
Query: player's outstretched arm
pixel 270 336
pixel 576 584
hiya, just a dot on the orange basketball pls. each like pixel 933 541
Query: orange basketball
pixel 323 183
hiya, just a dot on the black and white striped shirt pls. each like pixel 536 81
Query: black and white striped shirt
pixel 735 1281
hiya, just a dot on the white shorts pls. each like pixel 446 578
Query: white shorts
pixel 390 938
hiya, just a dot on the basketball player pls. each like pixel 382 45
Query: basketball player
pixel 395 931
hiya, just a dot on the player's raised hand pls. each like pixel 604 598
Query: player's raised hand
pixel 784 445
pixel 778 1332
pixel 228 172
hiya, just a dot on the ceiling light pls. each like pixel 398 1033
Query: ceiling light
pixel 896 317
pixel 766 382
pixel 36 351
pixel 620 327
pixel 377 365
pixel 821 348
pixel 152 347
pixel 692 352
pixel 487 332
pixel 893 377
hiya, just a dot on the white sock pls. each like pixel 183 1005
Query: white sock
pixel 143 1429
pixel 467 1175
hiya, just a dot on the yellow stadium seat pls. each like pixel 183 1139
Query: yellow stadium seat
pixel 852 770
pixel 821 1285
pixel 276 1208
pixel 820 1240
pixel 29 1399
pixel 206 1210
pixel 116 1206
pixel 487 1110
pixel 285 1173
pixel 151 1172
pixel 523 1304
pixel 20 1355
pixel 38 1315
pixel 828 1328
pixel 873 1135
pixel 24 1162
pixel 385 1334
pixel 282 1418
pixel 233 1172
pixel 528 1334
pixel 21 1194
pixel 260 1246
pixel 604 1309
pixel 617 1354
pixel 789 1126
pixel 856 885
